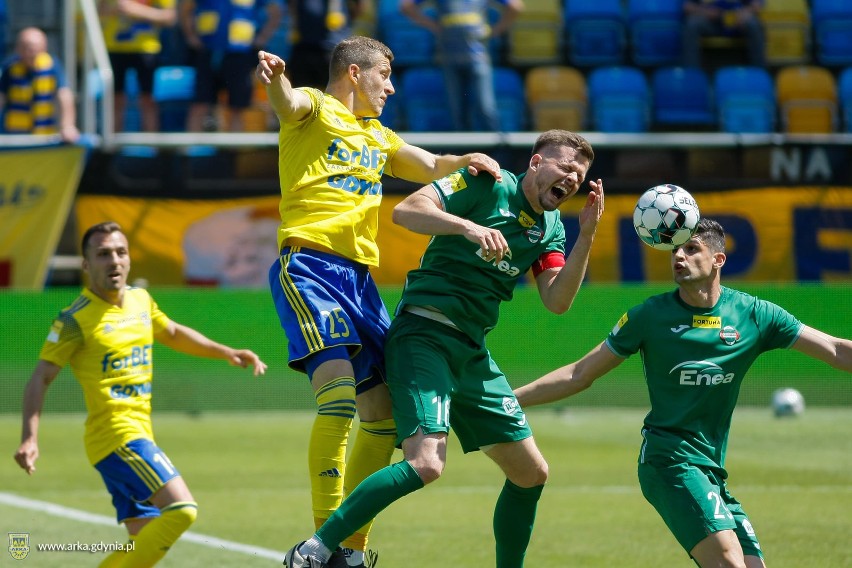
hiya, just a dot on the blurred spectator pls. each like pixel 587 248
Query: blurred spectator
pixel 132 36
pixel 318 25
pixel 4 24
pixel 223 39
pixel 34 95
pixel 731 18
pixel 462 33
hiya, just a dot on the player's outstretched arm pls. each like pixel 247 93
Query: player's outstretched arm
pixel 570 379
pixel 187 340
pixel 34 394
pixel 835 351
pixel 289 104
pixel 421 166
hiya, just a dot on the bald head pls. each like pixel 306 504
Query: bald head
pixel 30 43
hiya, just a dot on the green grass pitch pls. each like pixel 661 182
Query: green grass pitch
pixel 247 472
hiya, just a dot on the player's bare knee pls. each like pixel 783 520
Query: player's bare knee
pixel 532 476
pixel 428 468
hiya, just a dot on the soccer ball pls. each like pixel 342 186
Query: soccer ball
pixel 787 402
pixel 665 216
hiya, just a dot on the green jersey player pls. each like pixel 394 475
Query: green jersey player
pixel 488 234
pixel 697 343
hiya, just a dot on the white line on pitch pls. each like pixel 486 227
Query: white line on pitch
pixel 78 515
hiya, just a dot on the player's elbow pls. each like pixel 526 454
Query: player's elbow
pixel 558 305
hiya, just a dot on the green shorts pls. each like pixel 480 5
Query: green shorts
pixel 438 378
pixel 694 502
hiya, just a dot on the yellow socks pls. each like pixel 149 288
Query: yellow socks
pixel 155 538
pixel 327 447
pixel 371 452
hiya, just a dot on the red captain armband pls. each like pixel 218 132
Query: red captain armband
pixel 548 260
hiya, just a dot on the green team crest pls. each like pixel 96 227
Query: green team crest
pixel 19 545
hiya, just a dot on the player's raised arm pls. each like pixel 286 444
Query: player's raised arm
pixel 559 287
pixel 34 393
pixel 288 103
pixel 570 379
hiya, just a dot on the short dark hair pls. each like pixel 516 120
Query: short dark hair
pixel 365 52
pixel 107 227
pixel 564 138
pixel 711 233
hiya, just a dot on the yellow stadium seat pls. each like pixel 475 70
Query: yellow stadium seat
pixel 807 99
pixel 556 96
pixel 534 38
pixel 787 26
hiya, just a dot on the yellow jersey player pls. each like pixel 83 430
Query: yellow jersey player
pixel 107 336
pixel 332 154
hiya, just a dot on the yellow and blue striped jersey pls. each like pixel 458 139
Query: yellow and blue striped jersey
pixel 330 166
pixel 110 352
pixel 123 35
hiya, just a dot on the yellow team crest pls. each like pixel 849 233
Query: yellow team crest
pixel 19 545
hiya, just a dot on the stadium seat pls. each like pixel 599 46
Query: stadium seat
pixel 832 25
pixel 173 91
pixel 596 31
pixel 745 99
pixel 511 101
pixel 620 99
pixel 412 45
pixel 844 88
pixel 655 31
pixel 535 37
pixel 556 97
pixel 683 98
pixel 807 99
pixel 425 104
pixel 787 25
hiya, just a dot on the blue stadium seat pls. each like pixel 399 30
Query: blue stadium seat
pixel 832 25
pixel 511 100
pixel 620 99
pixel 173 91
pixel 596 32
pixel 745 99
pixel 683 98
pixel 425 104
pixel 844 94
pixel 411 44
pixel 655 31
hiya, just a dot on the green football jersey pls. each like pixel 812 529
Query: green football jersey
pixel 694 361
pixel 454 276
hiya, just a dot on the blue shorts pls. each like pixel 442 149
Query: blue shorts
pixel 326 301
pixel 134 472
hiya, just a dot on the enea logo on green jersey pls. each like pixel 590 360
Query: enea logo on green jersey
pixel 701 373
pixel 503 265
pixel 707 321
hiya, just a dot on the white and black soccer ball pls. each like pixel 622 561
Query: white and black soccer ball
pixel 787 402
pixel 665 216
